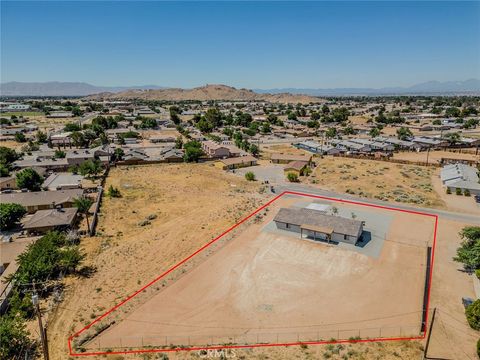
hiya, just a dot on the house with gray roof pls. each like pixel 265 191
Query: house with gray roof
pixel 461 176
pixel 42 200
pixel 51 219
pixel 318 225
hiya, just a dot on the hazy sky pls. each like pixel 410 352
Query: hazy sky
pixel 244 44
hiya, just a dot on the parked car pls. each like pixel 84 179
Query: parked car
pixel 477 198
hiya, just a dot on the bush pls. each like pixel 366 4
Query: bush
pixel 473 315
pixel 114 192
pixel 292 177
pixel 466 192
pixel 458 191
pixel 477 273
pixel 10 214
pixel 449 191
pixel 478 347
pixel 250 176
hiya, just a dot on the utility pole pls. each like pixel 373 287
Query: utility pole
pixel 43 335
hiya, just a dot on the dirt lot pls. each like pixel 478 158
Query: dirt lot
pixel 271 287
pixel 377 179
pixel 127 255
pixel 268 150
pixel 435 156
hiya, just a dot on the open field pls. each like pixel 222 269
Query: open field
pixel 377 179
pixel 275 287
pixel 126 254
pixel 268 150
pixel 435 156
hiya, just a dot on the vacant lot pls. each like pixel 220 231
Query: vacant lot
pixel 436 156
pixel 268 150
pixel 377 179
pixel 266 286
pixel 165 213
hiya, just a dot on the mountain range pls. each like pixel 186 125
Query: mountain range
pixel 54 88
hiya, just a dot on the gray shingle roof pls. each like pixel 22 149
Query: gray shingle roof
pixel 302 216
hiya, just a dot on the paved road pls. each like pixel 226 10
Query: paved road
pixel 456 216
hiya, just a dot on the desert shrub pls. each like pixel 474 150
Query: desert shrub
pixel 113 192
pixel 458 191
pixel 292 177
pixel 250 176
pixel 466 192
pixel 449 191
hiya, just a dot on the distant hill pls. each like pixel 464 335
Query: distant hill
pixel 469 87
pixel 55 88
pixel 223 92
pixel 207 92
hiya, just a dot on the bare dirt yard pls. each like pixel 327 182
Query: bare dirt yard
pixel 268 150
pixel 436 156
pixel 165 213
pixel 377 179
pixel 268 285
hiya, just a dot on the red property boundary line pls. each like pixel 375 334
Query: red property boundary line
pixel 139 351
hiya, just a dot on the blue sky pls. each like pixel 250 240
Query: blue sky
pixel 243 44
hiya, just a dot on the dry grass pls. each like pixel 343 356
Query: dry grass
pixel 377 179
pixel 165 213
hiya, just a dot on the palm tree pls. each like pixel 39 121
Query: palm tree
pixel 83 205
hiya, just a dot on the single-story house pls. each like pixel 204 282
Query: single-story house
pixel 7 183
pixel 461 176
pixel 277 158
pixel 296 167
pixel 236 162
pixel 42 200
pixel 51 219
pixel 62 181
pixel 317 224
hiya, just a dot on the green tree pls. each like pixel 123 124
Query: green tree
pixel 14 338
pixel 374 132
pixel 41 137
pixel 404 133
pixel 193 151
pixel 71 127
pixel 452 112
pixel 7 156
pixel 83 205
pixel 60 154
pixel 90 168
pixel 29 179
pixel 178 142
pixel 331 132
pixel 118 154
pixel 4 170
pixel 473 314
pixel 10 214
pixel 250 176
pixel 469 251
pixel 20 137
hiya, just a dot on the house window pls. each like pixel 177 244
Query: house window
pixel 345 237
pixel 287 225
